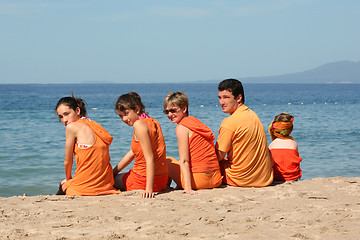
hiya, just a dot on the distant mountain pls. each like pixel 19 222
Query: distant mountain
pixel 335 72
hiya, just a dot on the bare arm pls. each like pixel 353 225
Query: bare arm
pixel 142 134
pixel 71 132
pixel 182 134
pixel 220 155
pixel 124 162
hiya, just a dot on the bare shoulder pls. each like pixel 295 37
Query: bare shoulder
pixel 78 127
pixel 182 131
pixel 140 126
pixel 72 130
pixel 73 126
pixel 181 128
pixel 283 143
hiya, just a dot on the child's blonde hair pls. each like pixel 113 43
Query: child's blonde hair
pixel 177 98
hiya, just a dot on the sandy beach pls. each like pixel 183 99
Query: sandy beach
pixel 322 208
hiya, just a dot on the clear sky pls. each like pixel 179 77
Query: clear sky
pixel 48 41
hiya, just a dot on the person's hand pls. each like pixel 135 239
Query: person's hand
pixel 148 194
pixel 189 191
pixel 63 181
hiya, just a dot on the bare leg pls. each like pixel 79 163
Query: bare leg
pixel 61 191
pixel 118 182
pixel 174 170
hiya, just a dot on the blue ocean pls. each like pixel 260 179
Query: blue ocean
pixel 326 125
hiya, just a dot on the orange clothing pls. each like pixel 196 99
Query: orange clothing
pixel 204 180
pixel 286 164
pixel 224 164
pixel 201 146
pixel 93 175
pixel 133 181
pixel 200 180
pixel 243 138
pixel 158 148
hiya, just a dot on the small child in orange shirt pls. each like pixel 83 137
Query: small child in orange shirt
pixel 284 149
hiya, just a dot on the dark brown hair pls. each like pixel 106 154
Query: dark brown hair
pixel 129 100
pixel 234 86
pixel 73 103
pixel 283 117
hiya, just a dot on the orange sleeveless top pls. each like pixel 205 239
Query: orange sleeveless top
pixel 201 146
pixel 158 148
pixel 93 175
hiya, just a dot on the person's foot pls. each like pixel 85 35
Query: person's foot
pixel 60 190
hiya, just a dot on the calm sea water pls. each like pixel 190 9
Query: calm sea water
pixel 326 125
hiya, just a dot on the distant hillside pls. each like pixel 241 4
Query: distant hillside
pixel 335 72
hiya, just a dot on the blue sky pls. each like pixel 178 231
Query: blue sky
pixel 172 41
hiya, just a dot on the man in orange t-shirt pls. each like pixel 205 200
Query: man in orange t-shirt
pixel 242 139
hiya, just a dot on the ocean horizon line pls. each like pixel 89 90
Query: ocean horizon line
pixel 174 83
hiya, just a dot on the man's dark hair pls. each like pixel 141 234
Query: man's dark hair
pixel 234 86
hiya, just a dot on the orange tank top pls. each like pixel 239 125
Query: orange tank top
pixel 158 149
pixel 201 146
pixel 93 175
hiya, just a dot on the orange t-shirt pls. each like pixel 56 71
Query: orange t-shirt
pixel 93 175
pixel 286 164
pixel 201 146
pixel 158 148
pixel 243 138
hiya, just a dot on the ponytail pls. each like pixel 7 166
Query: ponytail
pixel 73 103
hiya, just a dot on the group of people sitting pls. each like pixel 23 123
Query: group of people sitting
pixel 240 157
